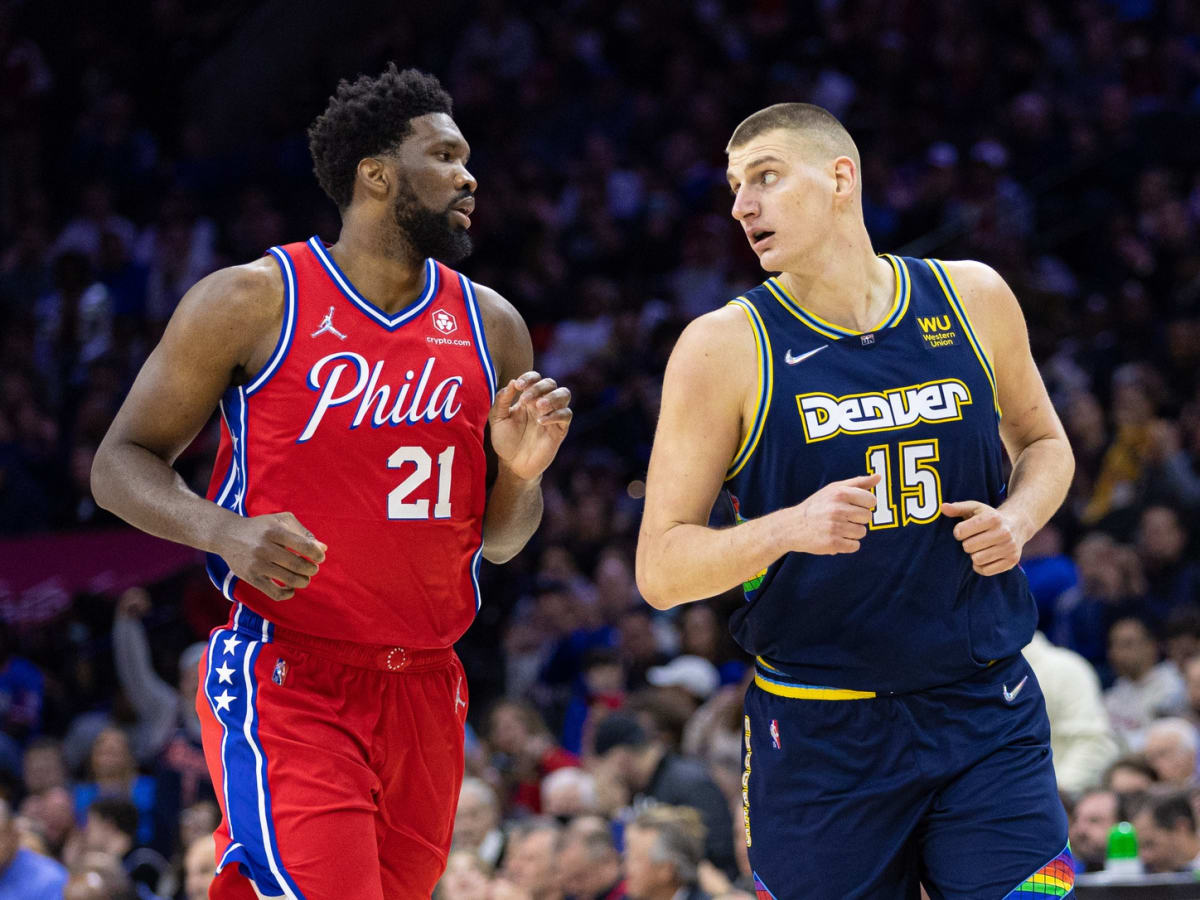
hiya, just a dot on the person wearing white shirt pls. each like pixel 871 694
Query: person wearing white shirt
pixel 1080 734
pixel 1145 689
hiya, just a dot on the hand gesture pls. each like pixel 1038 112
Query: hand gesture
pixel 274 553
pixel 987 534
pixel 529 421
pixel 835 518
pixel 133 603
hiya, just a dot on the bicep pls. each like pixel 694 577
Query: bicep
pixel 184 377
pixel 699 426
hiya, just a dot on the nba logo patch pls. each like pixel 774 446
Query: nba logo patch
pixel 280 672
pixel 868 340
pixel 775 742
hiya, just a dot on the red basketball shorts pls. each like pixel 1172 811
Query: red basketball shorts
pixel 337 766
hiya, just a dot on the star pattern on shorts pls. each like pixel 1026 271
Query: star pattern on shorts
pixel 231 644
pixel 224 674
pixel 223 700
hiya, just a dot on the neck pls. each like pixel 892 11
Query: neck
pixel 846 283
pixel 379 261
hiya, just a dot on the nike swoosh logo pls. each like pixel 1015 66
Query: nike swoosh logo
pixel 1010 696
pixel 792 360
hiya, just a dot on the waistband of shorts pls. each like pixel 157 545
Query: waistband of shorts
pixel 775 681
pixel 384 657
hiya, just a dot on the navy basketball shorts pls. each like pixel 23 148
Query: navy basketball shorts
pixel 868 798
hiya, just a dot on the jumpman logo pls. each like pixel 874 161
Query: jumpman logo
pixel 327 325
pixel 458 700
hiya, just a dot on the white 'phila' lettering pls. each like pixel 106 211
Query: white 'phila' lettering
pixel 414 402
pixel 825 415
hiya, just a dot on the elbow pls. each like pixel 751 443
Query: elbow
pixel 99 481
pixel 650 586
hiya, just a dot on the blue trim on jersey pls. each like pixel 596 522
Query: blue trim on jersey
pixel 475 576
pixel 232 495
pixel 391 323
pixel 288 329
pixel 485 356
pixel 905 283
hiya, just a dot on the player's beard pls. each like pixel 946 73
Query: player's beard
pixel 430 233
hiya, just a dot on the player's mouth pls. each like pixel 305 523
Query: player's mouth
pixel 759 237
pixel 462 210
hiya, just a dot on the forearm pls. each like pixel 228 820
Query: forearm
pixel 149 695
pixel 1038 485
pixel 514 509
pixel 692 562
pixel 146 492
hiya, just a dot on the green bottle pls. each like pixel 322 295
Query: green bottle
pixel 1122 858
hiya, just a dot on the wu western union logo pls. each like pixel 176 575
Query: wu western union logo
pixel 936 330
pixel 825 416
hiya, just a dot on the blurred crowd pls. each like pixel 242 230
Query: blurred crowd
pixel 1058 142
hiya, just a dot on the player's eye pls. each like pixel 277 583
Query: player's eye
pixel 444 155
pixel 769 177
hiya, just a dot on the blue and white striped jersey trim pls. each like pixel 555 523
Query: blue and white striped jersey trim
pixel 391 323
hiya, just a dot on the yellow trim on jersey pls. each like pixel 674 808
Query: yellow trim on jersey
pixel 766 665
pixel 960 312
pixel 825 328
pixel 796 692
pixel 766 387
pixel 807 318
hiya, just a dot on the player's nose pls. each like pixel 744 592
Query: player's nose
pixel 743 206
pixel 464 180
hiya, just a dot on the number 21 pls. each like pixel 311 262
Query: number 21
pixel 399 507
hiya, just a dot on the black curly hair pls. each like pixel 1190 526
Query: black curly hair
pixel 366 117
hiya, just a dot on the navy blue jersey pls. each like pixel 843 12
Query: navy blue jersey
pixel 914 401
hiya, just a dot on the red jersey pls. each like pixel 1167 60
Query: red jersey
pixel 369 428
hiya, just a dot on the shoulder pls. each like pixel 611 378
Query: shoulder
pixel 237 305
pixel 506 332
pixel 716 336
pixel 500 318
pixel 246 288
pixel 984 292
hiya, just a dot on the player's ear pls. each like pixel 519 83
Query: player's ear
pixel 845 175
pixel 373 176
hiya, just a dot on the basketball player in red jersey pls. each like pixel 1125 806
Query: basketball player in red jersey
pixel 353 495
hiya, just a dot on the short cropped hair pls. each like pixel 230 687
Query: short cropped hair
pixel 366 117
pixel 815 123
pixel 679 838
pixel 1168 809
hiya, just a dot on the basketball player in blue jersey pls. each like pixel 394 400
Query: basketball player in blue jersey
pixel 857 409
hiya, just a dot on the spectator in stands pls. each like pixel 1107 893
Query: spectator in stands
pixel 467 877
pixel 477 821
pixel 25 875
pixel 43 765
pixel 524 752
pixel 1145 687
pixel 114 774
pixel 589 867
pixel 1080 734
pixel 663 849
pixel 1182 636
pixel 111 829
pixel 1095 813
pixel 22 694
pixel 1166 828
pixel 1171 745
pixel 694 678
pixel 568 792
pixel 99 876
pixel 199 867
pixel 529 859
pixel 640 764
pixel 1172 573
pixel 1110 586
pixel 1129 776
pixel 52 812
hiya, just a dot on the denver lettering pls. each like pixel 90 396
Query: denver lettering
pixel 825 415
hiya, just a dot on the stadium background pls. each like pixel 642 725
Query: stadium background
pixel 145 145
